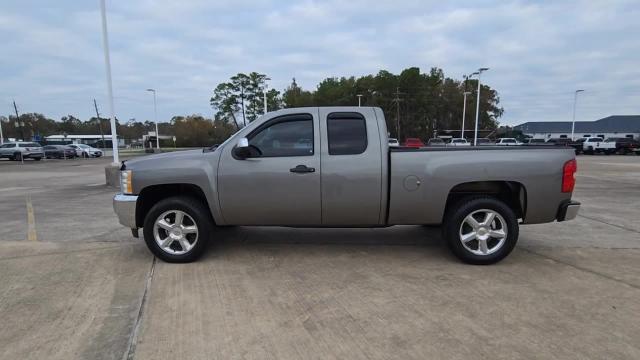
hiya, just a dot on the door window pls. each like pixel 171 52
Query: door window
pixel 286 136
pixel 347 133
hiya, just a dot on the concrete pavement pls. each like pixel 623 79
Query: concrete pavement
pixel 84 288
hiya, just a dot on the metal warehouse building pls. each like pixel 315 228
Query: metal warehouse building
pixel 617 126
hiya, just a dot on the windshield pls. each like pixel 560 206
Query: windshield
pixel 83 146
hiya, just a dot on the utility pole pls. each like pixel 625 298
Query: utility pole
pixel 397 101
pixel 95 104
pixel 18 121
pixel 573 122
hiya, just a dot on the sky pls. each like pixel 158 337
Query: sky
pixel 538 52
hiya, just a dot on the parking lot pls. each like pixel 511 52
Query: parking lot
pixel 75 284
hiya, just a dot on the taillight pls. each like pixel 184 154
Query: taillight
pixel 568 176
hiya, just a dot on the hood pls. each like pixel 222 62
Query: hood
pixel 162 159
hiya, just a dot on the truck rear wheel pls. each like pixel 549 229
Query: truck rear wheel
pixel 177 229
pixel 481 230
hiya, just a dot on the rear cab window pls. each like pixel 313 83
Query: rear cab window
pixel 346 133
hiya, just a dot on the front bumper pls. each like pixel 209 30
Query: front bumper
pixel 568 210
pixel 125 207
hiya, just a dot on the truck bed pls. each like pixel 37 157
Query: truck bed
pixel 421 180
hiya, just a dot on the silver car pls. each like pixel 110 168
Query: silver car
pixel 83 150
pixel 21 150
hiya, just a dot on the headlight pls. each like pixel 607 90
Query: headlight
pixel 125 182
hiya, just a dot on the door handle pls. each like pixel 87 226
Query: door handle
pixel 302 169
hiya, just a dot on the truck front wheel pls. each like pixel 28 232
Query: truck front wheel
pixel 481 230
pixel 176 229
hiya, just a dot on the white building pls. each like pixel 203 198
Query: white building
pixel 616 126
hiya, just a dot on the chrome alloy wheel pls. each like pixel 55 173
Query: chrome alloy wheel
pixel 175 232
pixel 483 232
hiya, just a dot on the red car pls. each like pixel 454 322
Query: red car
pixel 413 143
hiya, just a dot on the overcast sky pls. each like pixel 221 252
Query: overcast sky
pixel 538 52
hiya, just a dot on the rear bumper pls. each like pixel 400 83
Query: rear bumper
pixel 568 210
pixel 125 207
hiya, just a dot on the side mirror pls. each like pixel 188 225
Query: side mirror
pixel 242 151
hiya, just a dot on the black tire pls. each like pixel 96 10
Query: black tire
pixel 192 207
pixel 457 213
pixel 37 158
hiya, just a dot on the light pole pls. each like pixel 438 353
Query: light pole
pixel 107 63
pixel 475 133
pixel 573 122
pixel 155 115
pixel 464 110
pixel 265 100
pixel 359 99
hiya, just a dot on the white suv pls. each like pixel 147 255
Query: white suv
pixel 459 142
pixel 21 150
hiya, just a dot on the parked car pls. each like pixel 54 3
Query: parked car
pixel 83 150
pixel 534 142
pixel 507 142
pixel 484 142
pixel 413 143
pixel 349 178
pixel 592 145
pixel 59 152
pixel 393 142
pixel 459 142
pixel 436 142
pixel 625 146
pixel 19 150
pixel 576 145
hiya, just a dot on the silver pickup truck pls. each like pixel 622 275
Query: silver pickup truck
pixel 333 167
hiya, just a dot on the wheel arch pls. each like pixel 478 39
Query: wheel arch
pixel 512 193
pixel 152 194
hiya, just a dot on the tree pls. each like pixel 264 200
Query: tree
pixel 294 96
pixel 243 95
pixel 225 101
pixel 428 102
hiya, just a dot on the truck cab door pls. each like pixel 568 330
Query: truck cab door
pixel 353 161
pixel 279 184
